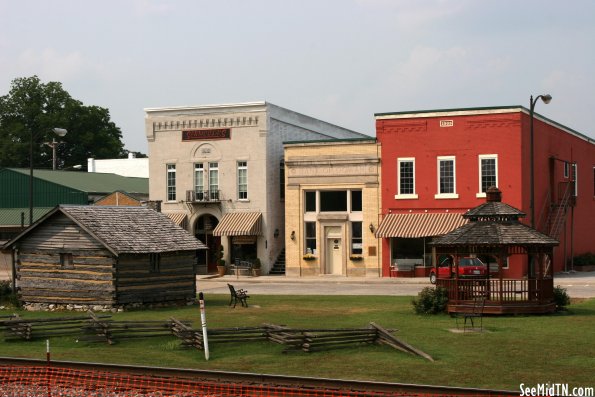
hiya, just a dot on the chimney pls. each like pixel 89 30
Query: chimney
pixel 493 195
pixel 131 156
pixel 154 205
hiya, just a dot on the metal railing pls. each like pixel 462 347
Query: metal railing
pixel 203 196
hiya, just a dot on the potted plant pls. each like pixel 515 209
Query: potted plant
pixel 309 257
pixel 256 267
pixel 221 269
pixel 356 257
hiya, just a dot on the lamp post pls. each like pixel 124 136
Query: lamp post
pixel 61 132
pixel 58 131
pixel 546 99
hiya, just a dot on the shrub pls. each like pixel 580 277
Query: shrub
pixel 584 259
pixel 5 289
pixel 561 298
pixel 430 300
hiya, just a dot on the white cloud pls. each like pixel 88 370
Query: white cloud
pixel 152 7
pixel 50 64
pixel 411 15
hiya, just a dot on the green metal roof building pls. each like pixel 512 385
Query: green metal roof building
pixel 51 188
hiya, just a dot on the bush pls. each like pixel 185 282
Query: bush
pixel 5 289
pixel 584 259
pixel 430 300
pixel 561 298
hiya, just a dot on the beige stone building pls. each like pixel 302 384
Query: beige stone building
pixel 331 208
pixel 219 170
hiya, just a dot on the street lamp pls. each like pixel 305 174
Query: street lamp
pixel 546 99
pixel 58 131
pixel 61 132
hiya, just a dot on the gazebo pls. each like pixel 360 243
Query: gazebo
pixel 494 231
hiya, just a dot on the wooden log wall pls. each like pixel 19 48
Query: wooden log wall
pixel 173 280
pixel 42 278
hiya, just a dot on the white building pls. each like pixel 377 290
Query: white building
pixel 126 167
pixel 219 171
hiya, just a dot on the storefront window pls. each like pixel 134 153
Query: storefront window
pixel 333 201
pixel 356 238
pixel 310 238
pixel 310 201
pixel 356 201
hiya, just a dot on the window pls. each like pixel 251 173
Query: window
pixel 171 182
pixel 406 178
pixel 333 201
pixel 356 238
pixel 199 181
pixel 575 178
pixel 488 173
pixel 356 201
pixel 446 178
pixel 213 181
pixel 242 180
pixel 66 261
pixel 154 262
pixel 566 169
pixel 310 201
pixel 310 237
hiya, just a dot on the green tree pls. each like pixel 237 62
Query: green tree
pixel 32 109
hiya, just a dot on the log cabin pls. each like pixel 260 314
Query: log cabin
pixel 101 257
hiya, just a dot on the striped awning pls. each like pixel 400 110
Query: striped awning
pixel 239 224
pixel 179 218
pixel 423 224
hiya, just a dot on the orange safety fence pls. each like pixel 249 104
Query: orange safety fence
pixel 47 381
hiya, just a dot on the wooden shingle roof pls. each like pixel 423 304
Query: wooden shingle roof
pixel 494 224
pixel 126 229
pixel 133 229
pixel 491 233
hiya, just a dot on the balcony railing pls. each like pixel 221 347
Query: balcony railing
pixel 203 196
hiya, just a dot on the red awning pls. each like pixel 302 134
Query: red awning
pixel 423 224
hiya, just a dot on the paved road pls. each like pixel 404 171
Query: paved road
pixel 578 285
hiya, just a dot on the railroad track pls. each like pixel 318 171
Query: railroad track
pixel 272 381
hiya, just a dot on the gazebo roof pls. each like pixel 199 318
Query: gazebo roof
pixel 494 209
pixel 492 233
pixel 494 224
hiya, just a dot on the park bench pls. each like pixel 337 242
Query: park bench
pixel 241 266
pixel 238 296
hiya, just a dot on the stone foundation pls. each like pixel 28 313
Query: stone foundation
pixel 51 307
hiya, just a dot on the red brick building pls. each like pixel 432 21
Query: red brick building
pixel 438 164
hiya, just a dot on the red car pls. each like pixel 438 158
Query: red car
pixel 468 267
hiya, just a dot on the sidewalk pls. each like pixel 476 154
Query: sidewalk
pixel 578 285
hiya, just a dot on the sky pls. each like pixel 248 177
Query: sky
pixel 340 61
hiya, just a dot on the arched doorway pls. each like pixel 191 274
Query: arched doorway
pixel 203 230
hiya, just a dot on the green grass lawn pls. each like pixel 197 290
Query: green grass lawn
pixel 513 350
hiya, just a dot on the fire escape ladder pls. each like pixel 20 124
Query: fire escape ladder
pixel 559 210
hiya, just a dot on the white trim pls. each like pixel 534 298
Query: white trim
pixel 447 113
pixel 405 196
pixel 209 107
pixel 442 196
pixel 486 157
pixel 454 194
pixel 400 195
